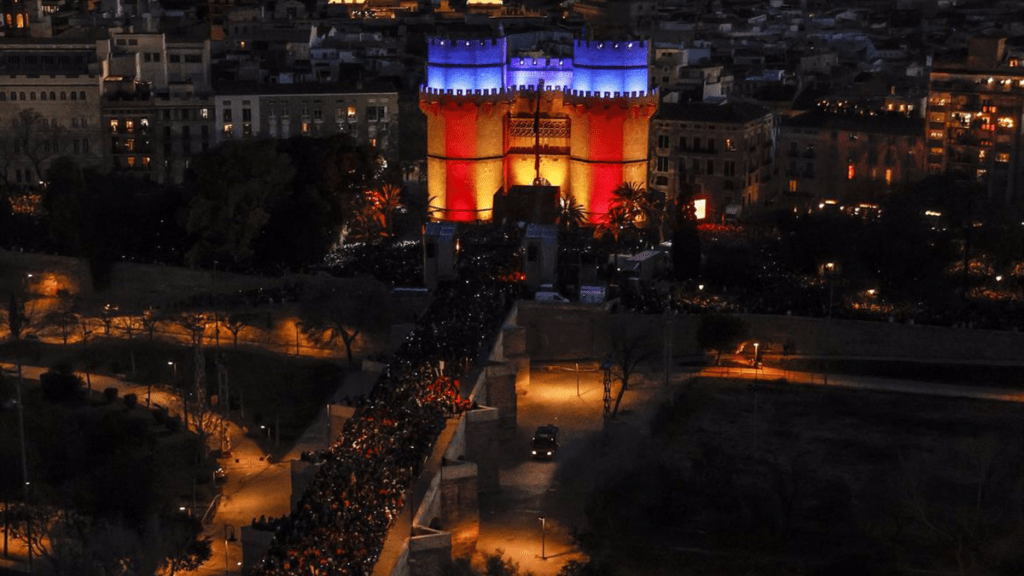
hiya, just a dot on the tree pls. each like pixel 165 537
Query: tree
pixel 720 332
pixel 186 547
pixel 237 322
pixel 60 385
pixel 686 245
pixel 131 326
pixel 68 210
pixel 629 351
pixel 149 319
pixel 571 214
pixel 236 185
pixel 630 197
pixel 343 315
pixel 35 138
pixel 385 200
pixel 64 315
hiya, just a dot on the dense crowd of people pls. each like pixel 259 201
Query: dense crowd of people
pixel 363 478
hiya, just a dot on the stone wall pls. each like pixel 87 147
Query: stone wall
pixel 559 333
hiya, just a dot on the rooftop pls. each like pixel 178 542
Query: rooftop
pixel 734 112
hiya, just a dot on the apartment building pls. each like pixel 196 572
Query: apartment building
pixel 848 157
pixel 369 115
pixel 49 105
pixel 975 110
pixel 725 153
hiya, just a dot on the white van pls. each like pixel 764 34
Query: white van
pixel 547 293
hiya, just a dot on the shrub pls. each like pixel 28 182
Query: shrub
pixel 160 415
pixel 60 386
pixel 173 424
pixel 110 394
pixel 130 400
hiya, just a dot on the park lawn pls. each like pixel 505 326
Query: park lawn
pixel 830 481
pixel 966 374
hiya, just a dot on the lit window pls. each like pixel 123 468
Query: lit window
pixel 700 208
pixel 351 112
pixel 1005 122
pixel 129 145
pixel 129 125
pixel 936 134
pixel 145 161
pixel 113 124
pixel 305 128
pixel 982 154
pixel 131 161
pixel 730 145
pixel 227 129
pixel 792 184
pixel 888 176
pixel 205 113
pixel 850 171
pixel 1003 157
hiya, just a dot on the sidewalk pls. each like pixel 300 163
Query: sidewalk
pixel 768 374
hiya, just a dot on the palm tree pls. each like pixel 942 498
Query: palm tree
pixel 616 222
pixel 629 197
pixel 571 214
pixel 385 201
pixel 653 207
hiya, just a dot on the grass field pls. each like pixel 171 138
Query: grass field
pixel 798 480
pixel 271 385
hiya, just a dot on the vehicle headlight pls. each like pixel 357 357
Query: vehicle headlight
pixel 534 452
pixel 549 452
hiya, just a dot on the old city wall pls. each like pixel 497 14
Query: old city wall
pixel 557 333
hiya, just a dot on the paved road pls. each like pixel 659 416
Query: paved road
pixel 867 383
pixel 557 490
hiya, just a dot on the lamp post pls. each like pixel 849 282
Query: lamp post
pixel 543 530
pixel 756 346
pixel 229 536
pixel 577 379
pixel 830 268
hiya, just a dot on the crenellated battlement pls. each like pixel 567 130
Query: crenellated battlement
pixel 476 52
pixel 628 99
pixel 476 97
pixel 424 89
pixel 599 54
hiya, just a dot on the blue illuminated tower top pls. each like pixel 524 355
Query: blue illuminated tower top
pixel 466 64
pixel 596 67
pixel 610 66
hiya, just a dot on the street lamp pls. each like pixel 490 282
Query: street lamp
pixel 174 366
pixel 830 268
pixel 756 363
pixel 756 346
pixel 577 379
pixel 229 536
pixel 543 530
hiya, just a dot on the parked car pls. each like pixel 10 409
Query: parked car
pixel 545 442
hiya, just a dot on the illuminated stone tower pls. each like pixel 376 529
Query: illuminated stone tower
pixel 580 124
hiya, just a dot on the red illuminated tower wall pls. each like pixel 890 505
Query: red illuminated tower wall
pixel 465 151
pixel 609 146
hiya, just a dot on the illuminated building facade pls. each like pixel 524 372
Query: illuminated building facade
pixel 722 154
pixel 975 110
pixel 492 123
pixel 848 157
